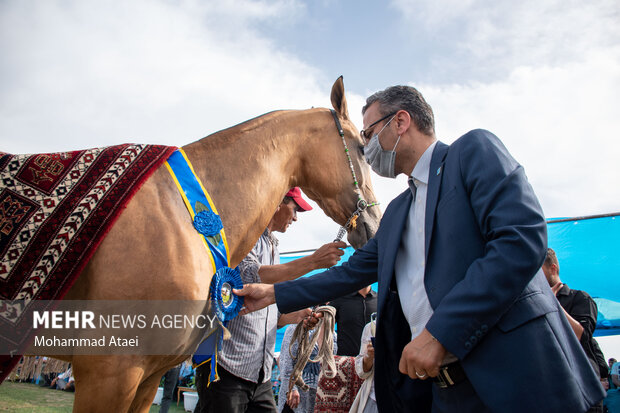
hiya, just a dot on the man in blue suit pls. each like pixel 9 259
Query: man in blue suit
pixel 466 319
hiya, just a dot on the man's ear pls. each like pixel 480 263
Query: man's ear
pixel 403 121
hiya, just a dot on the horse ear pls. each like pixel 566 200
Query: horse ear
pixel 338 100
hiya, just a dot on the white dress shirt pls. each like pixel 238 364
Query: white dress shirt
pixel 410 259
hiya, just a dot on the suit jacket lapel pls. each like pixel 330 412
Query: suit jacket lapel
pixel 432 195
pixel 396 224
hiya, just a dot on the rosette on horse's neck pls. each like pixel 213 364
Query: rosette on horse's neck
pixel 208 223
pixel 227 304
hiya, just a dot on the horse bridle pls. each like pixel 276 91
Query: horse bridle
pixel 361 202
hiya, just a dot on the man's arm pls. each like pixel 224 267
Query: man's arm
pixel 574 324
pixel 582 316
pixel 358 272
pixel 295 317
pixel 326 256
pixel 511 221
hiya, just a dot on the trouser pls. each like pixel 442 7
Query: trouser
pixel 459 398
pixel 232 394
pixel 170 383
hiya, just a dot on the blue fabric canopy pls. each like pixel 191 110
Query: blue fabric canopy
pixel 588 250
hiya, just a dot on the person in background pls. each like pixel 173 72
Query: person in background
pixel 580 310
pixel 64 381
pixel 611 362
pixel 352 314
pixel 171 379
pixel 298 400
pixel 614 375
pixel 612 401
pixel 246 359
pixel 366 400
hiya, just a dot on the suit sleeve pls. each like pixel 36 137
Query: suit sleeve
pixel 358 272
pixel 512 225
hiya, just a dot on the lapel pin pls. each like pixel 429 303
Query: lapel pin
pixel 438 170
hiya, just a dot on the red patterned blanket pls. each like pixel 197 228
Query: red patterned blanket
pixel 336 395
pixel 55 209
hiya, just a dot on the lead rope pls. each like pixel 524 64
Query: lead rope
pixel 361 203
pixel 306 345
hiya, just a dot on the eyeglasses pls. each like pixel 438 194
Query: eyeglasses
pixel 364 132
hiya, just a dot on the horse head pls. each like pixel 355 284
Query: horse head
pixel 340 178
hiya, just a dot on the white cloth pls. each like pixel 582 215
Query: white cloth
pixel 411 256
pixel 367 389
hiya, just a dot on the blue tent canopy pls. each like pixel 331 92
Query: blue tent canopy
pixel 588 250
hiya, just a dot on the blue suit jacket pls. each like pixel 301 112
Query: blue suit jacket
pixel 485 243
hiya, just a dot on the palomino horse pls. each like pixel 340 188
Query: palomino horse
pixel 153 251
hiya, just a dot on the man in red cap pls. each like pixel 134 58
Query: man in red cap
pixel 245 362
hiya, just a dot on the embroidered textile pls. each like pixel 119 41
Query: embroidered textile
pixel 336 395
pixel 55 209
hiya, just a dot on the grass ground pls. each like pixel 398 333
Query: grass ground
pixel 28 397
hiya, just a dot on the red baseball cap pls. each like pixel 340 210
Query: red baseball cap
pixel 295 193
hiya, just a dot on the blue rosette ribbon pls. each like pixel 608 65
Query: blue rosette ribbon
pixel 208 223
pixel 226 304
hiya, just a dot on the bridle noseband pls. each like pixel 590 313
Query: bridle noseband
pixel 361 202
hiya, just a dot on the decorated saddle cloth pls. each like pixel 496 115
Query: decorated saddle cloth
pixel 55 209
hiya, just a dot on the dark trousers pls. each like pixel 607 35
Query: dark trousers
pixel 232 394
pixel 460 398
pixel 170 383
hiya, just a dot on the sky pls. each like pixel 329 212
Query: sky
pixel 544 76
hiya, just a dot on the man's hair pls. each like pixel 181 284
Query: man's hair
pixel 407 98
pixel 287 199
pixel 551 258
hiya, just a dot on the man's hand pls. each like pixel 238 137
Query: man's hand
pixel 312 320
pixel 256 296
pixel 295 317
pixel 422 357
pixel 328 255
pixel 293 399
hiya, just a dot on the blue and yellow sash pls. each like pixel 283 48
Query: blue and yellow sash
pixel 201 208
pixel 208 223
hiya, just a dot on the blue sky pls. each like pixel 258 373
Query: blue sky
pixel 542 75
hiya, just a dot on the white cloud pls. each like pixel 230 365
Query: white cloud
pixel 483 39
pixel 83 74
pixel 544 77
pixel 559 122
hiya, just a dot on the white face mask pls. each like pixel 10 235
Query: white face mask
pixel 380 160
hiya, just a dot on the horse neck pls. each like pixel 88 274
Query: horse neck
pixel 247 170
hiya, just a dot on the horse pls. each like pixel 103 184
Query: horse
pixel 153 251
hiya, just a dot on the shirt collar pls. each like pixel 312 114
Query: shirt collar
pixel 420 171
pixel 564 290
pixel 269 235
